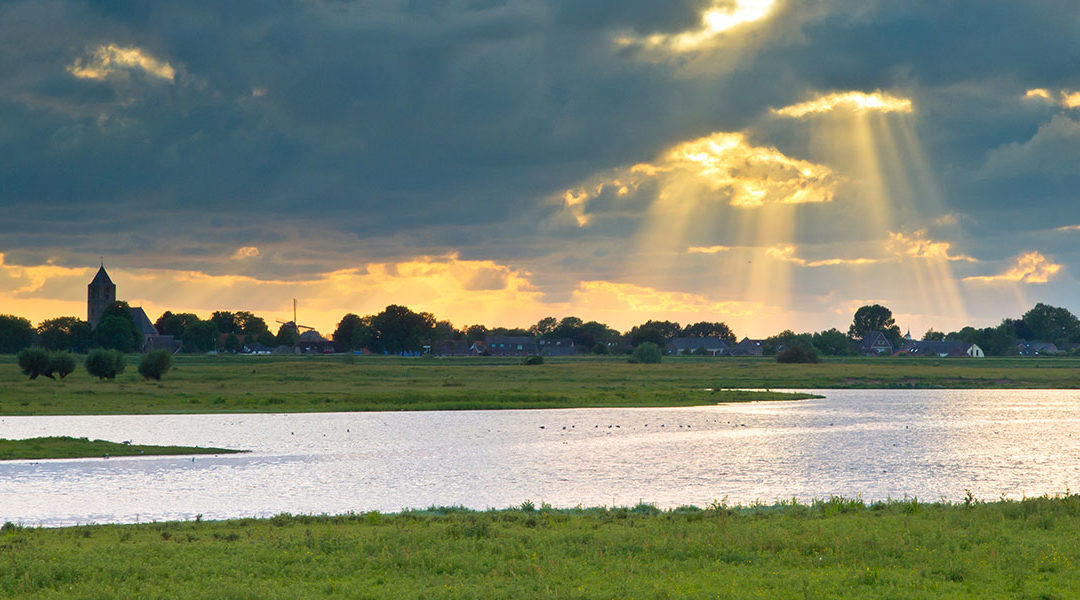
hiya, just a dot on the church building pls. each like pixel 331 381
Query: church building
pixel 101 292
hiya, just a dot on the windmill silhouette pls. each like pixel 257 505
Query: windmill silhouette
pixel 293 324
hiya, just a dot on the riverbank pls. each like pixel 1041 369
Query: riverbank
pixel 829 549
pixel 70 447
pixel 232 384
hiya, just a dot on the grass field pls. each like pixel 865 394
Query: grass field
pixel 831 549
pixel 203 384
pixel 69 447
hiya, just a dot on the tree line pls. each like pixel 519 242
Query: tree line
pixel 399 329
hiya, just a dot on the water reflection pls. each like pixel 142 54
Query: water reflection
pixel 875 444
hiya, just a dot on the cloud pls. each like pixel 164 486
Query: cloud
pixel 917 245
pixel 787 254
pixel 108 59
pixel 245 252
pixel 877 101
pixel 1068 228
pixel 724 166
pixel 1031 267
pixel 707 249
pixel 1067 99
pixel 1054 149
pixel 721 17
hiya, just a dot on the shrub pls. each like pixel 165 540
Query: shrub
pixel 600 348
pixel 646 352
pixel 61 363
pixel 155 364
pixel 34 362
pixel 535 359
pixel 105 364
pixel 797 354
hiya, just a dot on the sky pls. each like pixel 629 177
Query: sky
pixel 767 163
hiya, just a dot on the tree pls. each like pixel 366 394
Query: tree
pixel 65 333
pixel 175 324
pixel 286 335
pixel 933 336
pixel 544 327
pixel 225 321
pixel 786 339
pixel 343 335
pixel 566 329
pixel 832 342
pixel 646 352
pixel 399 329
pixel 707 329
pixel 115 332
pixel 475 333
pixel 1052 324
pixel 201 337
pixel 16 333
pixel 646 335
pixel 34 362
pixel 231 343
pixel 668 329
pixel 874 318
pixel 61 363
pixel 104 364
pixel 155 364
pixel 798 354
pixel 250 325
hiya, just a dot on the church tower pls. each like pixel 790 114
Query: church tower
pixel 99 294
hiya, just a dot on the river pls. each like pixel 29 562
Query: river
pixel 875 444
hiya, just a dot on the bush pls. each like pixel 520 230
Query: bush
pixel 600 348
pixel 34 362
pixel 797 354
pixel 105 364
pixel 61 363
pixel 535 359
pixel 646 352
pixel 155 364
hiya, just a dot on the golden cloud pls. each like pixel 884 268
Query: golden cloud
pixel 721 17
pixel 748 176
pixel 245 252
pixel 877 101
pixel 707 249
pixel 1068 99
pixel 108 59
pixel 787 254
pixel 917 245
pixel 1031 267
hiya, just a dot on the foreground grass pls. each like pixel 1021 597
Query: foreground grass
pixel 203 384
pixel 831 549
pixel 69 447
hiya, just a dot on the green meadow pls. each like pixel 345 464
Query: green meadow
pixel 70 447
pixel 829 549
pixel 206 384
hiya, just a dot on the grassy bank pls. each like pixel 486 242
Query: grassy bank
pixel 69 447
pixel 831 549
pixel 200 384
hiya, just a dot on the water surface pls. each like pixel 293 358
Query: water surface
pixel 875 444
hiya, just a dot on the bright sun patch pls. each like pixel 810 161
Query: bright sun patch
pixel 917 245
pixel 851 101
pixel 108 59
pixel 1031 267
pixel 722 165
pixel 720 18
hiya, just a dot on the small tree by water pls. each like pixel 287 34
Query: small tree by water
pixel 155 364
pixel 104 364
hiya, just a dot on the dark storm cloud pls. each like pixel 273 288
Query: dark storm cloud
pixel 367 130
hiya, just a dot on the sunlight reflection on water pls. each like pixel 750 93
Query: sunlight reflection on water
pixel 932 444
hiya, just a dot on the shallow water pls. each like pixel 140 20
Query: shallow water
pixel 877 444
